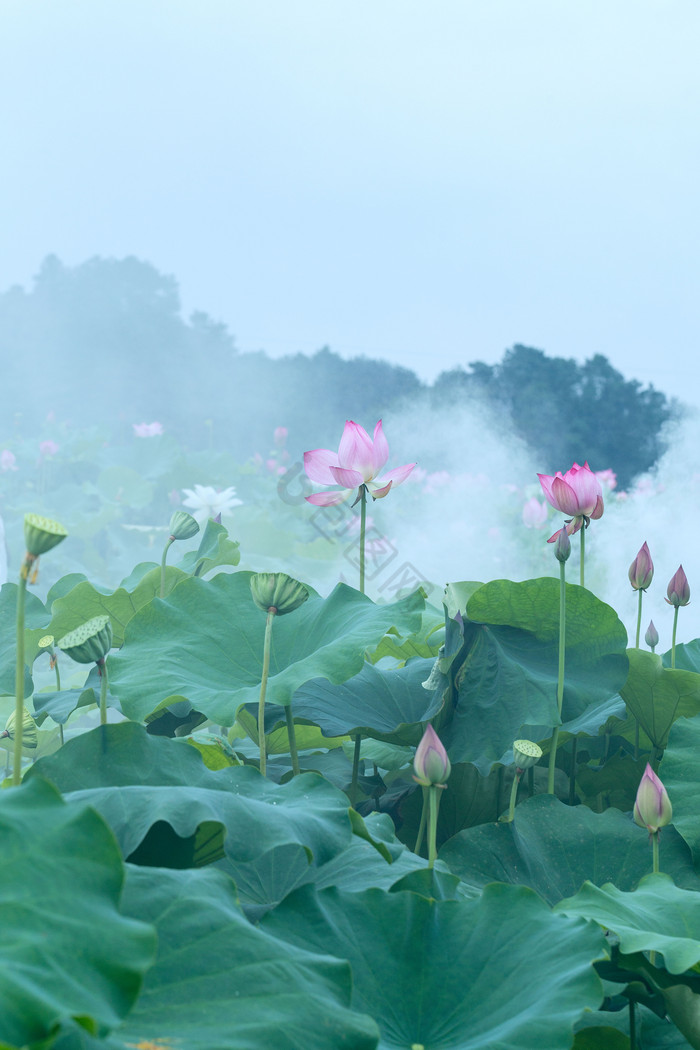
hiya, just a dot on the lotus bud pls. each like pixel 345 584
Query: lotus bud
pixel 277 591
pixel 678 590
pixel 430 762
pixel 641 571
pixel 652 636
pixel 652 808
pixel 526 754
pixel 562 547
pixel 183 526
pixel 29 731
pixel 90 642
pixel 41 534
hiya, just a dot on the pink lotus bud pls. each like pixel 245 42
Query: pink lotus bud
pixel 280 435
pixel 430 763
pixel 652 808
pixel 534 513
pixel 678 590
pixel 562 546
pixel 641 571
pixel 652 636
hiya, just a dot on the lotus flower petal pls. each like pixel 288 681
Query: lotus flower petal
pixel 349 479
pixel 317 464
pixel 356 450
pixel 328 499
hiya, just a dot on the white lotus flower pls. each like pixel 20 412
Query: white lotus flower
pixel 206 502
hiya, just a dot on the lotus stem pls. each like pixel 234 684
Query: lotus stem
pixel 263 689
pixel 363 519
pixel 423 821
pixel 639 618
pixel 633 1024
pixel 514 794
pixel 560 674
pixel 583 551
pixel 572 775
pixel 166 548
pixel 19 670
pixel 355 769
pixel 434 791
pixel 673 637
pixel 291 733
pixel 102 668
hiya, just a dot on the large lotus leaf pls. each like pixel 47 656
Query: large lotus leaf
pixel 656 916
pixel 497 972
pixel 508 678
pixel 205 642
pixel 65 950
pixel 215 548
pixel 86 601
pixel 220 982
pixel 657 695
pixel 36 617
pixel 687 656
pixel 135 781
pixel 555 848
pixel 389 705
pixel 680 772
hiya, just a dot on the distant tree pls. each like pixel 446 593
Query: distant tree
pixel 569 412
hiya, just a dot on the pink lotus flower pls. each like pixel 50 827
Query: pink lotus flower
pixel 652 807
pixel 147 430
pixel 48 448
pixel 607 478
pixel 578 493
pixel 678 590
pixel 279 435
pixel 430 763
pixel 357 462
pixel 534 514
pixel 7 460
pixel 641 571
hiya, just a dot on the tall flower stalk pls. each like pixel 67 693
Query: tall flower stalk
pixel 355 466
pixel 526 755
pixel 40 535
pixel 641 573
pixel 182 527
pixel 562 550
pixel 276 594
pixel 89 644
pixel 431 768
pixel 47 643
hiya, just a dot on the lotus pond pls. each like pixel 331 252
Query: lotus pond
pixel 242 812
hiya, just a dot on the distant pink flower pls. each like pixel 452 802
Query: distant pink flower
pixel 7 460
pixel 280 435
pixel 48 448
pixel 357 462
pixel 577 493
pixel 147 430
pixel 274 467
pixel 607 478
pixel 534 514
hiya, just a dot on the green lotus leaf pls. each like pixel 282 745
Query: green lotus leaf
pixel 492 973
pixel 657 695
pixel 215 548
pixel 220 982
pixel 555 848
pixel 680 773
pixel 205 642
pixel 66 951
pixel 656 916
pixel 508 674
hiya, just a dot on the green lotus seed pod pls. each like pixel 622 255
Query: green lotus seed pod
pixel 46 642
pixel 276 590
pixel 41 534
pixel 183 526
pixel 526 753
pixel 29 733
pixel 88 643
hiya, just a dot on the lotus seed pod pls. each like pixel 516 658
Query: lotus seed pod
pixel 29 732
pixel 46 642
pixel 88 643
pixel 41 534
pixel 183 526
pixel 276 590
pixel 526 753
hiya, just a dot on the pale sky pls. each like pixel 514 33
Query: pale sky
pixel 426 182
